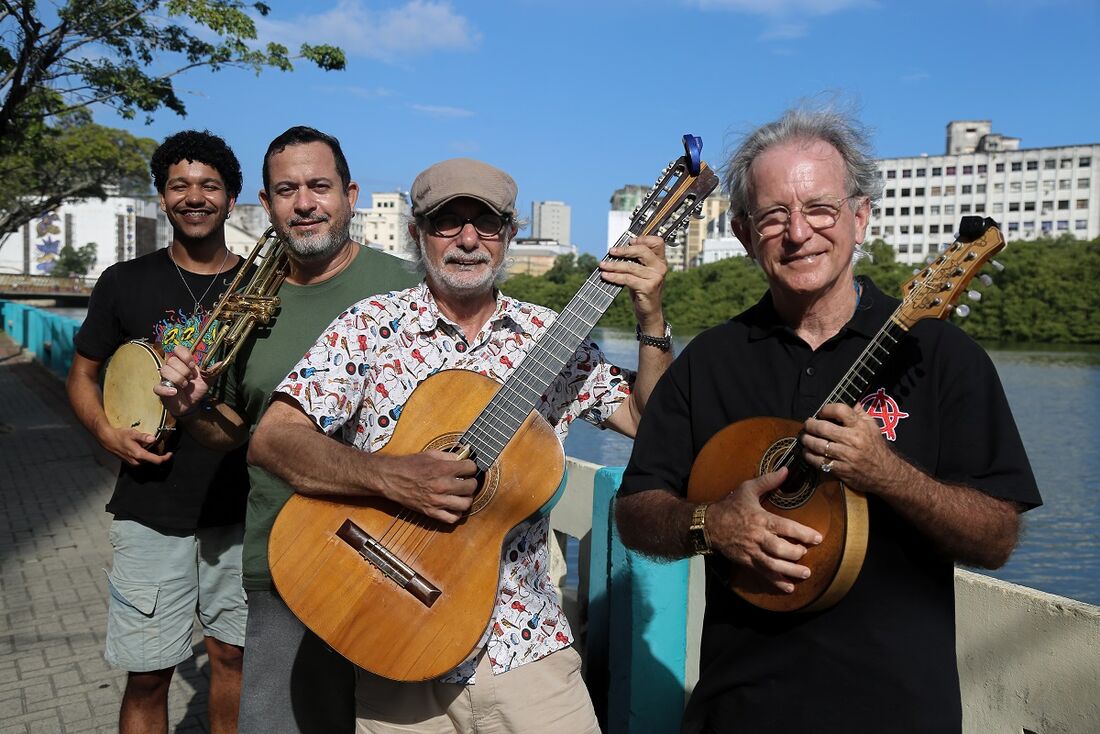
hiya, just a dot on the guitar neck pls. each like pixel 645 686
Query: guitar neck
pixel 502 417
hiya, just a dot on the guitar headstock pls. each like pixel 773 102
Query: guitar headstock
pixel 677 195
pixel 932 293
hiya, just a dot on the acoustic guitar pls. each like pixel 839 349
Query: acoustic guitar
pixel 756 446
pixel 407 597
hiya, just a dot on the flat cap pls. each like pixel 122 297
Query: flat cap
pixel 456 177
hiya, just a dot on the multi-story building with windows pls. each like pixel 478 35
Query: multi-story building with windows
pixel 1030 192
pixel 383 225
pixel 550 220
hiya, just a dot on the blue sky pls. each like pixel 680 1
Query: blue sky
pixel 575 99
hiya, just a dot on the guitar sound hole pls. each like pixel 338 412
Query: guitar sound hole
pixel 487 482
pixel 800 484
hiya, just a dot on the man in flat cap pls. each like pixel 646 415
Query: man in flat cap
pixel 463 221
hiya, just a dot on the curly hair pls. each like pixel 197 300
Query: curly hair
pixel 201 147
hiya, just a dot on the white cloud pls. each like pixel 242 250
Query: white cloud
pixel 785 32
pixel 416 28
pixel 442 111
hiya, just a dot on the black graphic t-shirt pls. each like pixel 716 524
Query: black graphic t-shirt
pixel 146 298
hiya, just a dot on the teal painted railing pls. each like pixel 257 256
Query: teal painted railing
pixel 48 336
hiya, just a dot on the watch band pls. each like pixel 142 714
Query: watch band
pixel 664 343
pixel 697 531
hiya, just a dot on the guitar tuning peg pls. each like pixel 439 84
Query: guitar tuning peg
pixel 962 310
pixel 986 279
pixel 974 295
pixel 997 266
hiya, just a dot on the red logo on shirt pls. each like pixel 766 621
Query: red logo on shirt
pixel 885 408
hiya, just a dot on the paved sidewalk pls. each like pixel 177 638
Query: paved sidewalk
pixel 54 483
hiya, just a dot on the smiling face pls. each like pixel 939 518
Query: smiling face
pixel 195 201
pixel 802 262
pixel 307 202
pixel 467 264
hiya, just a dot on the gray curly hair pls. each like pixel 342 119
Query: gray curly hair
pixel 843 132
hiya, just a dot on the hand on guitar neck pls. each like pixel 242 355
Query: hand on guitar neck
pixel 741 529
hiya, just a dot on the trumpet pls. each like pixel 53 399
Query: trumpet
pixel 134 368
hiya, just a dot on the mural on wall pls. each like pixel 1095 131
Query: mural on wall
pixel 47 242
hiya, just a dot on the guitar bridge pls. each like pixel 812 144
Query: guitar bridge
pixel 385 561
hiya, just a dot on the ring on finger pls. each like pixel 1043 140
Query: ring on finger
pixel 826 467
pixel 165 382
pixel 827 445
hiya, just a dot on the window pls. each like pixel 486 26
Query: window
pixel 933 229
pixel 968 170
pixel 918 248
pixel 935 209
pixel 889 193
pixel 1082 183
pixel 950 171
pixel 1029 206
pixel 1048 205
pixel 937 170
pixel 949 190
pixel 904 211
pixel 1014 186
pixel 918 210
pixel 903 248
pixel 1081 224
pixel 918 229
pixel 1085 162
pixel 1049 163
pixel 876 231
pixel 889 211
pixel 979 208
pixel 905 192
pixel 903 229
pixel 1014 206
pixel 998 188
pixel 1082 203
pixel 1047 225
pixel 979 188
pixel 1063 225
pixel 966 188
pixel 1017 166
pixel 1029 225
pixel 964 208
pixel 891 174
pixel 1063 204
pixel 919 172
pixel 887 230
pixel 1031 185
pixel 1033 165
pixel 983 168
pixel 1063 183
pixel 1066 163
pixel 998 207
pixel 1013 226
pixel 907 173
pixel 999 168
pixel 936 191
pixel 949 209
pixel 919 191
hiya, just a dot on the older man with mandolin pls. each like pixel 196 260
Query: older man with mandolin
pixel 832 452
pixel 427 563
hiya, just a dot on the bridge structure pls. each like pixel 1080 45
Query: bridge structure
pixel 67 291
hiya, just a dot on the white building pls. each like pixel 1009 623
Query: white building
pixel 535 256
pixel 719 241
pixel 383 224
pixel 1029 192
pixel 550 221
pixel 122 228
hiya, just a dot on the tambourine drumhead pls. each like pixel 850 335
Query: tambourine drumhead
pixel 128 397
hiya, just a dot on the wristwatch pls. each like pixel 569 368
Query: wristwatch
pixel 664 343
pixel 697 531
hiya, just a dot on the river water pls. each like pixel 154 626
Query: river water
pixel 1055 398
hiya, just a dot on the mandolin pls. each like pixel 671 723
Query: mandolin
pixel 755 446
pixel 407 597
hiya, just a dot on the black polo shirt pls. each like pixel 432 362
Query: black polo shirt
pixel 883 658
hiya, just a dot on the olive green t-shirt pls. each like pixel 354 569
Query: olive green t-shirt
pixel 304 313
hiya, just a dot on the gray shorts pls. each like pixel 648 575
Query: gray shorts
pixel 159 581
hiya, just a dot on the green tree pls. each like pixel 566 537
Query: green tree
pixel 58 62
pixel 71 261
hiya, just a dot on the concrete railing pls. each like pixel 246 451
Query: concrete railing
pixel 48 336
pixel 1029 662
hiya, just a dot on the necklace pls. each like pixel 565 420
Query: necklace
pixel 213 279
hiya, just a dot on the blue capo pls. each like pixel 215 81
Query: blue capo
pixel 693 146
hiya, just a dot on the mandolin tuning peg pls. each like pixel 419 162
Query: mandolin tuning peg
pixel 962 310
pixel 986 279
pixel 997 265
pixel 974 295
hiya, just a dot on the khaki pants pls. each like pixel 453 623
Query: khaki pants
pixel 547 695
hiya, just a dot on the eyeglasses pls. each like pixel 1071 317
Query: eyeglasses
pixel 819 215
pixel 486 224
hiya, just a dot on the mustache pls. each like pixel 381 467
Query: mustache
pixel 293 221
